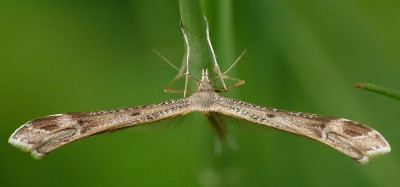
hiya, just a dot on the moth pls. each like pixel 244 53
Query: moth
pixel 43 135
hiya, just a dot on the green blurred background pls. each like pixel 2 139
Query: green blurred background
pixel 63 56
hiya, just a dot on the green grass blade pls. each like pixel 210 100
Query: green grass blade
pixel 192 17
pixel 395 94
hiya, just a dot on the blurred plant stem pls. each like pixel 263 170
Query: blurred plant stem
pixel 395 94
pixel 194 24
pixel 221 23
pixel 219 165
pixel 220 15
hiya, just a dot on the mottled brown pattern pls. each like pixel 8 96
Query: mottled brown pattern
pixel 46 134
pixel 86 127
pixel 47 123
pixel 270 115
pixel 82 122
pixel 324 119
pixel 317 133
pixel 49 127
pixel 135 113
pixel 329 130
pixel 352 133
pixel 78 115
pixel 46 119
pixel 23 130
pixel 85 124
pixel 356 127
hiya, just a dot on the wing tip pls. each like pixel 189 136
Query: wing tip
pixel 36 155
pixel 24 146
pixel 373 153
pixel 20 144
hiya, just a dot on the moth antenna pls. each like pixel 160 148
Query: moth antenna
pixel 167 61
pixel 176 68
pixel 236 61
